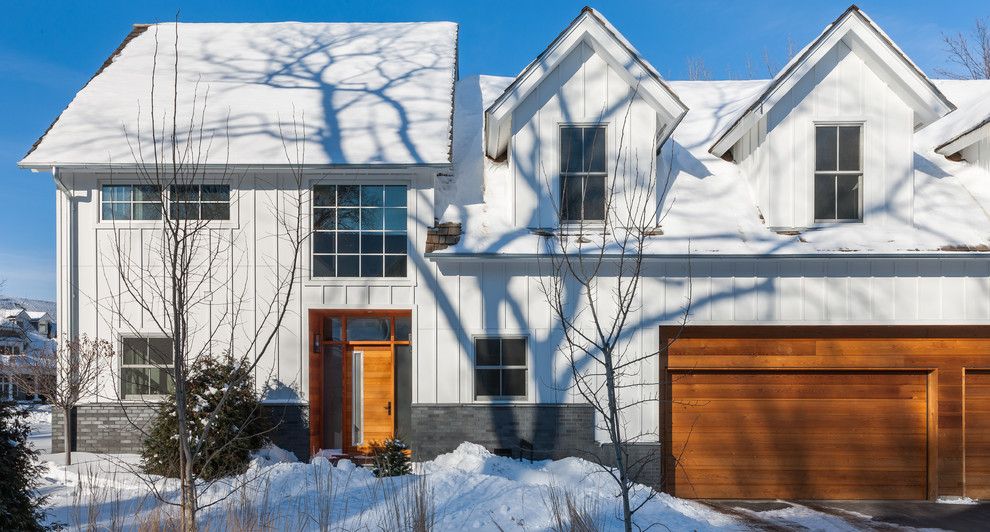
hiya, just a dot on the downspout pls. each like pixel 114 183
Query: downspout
pixel 67 257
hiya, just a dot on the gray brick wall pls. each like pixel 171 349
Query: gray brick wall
pixel 290 428
pixel 555 431
pixel 105 427
pixel 118 427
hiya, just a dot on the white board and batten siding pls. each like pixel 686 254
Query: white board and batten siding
pixel 978 153
pixel 504 297
pixel 583 89
pixel 778 152
pixel 246 269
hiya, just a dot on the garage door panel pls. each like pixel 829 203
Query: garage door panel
pixel 977 434
pixel 825 434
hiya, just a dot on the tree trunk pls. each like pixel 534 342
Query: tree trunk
pixel 66 433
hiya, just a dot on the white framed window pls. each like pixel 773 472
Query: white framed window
pixel 146 366
pixel 199 202
pixel 130 202
pixel 136 202
pixel 838 173
pixel 500 369
pixel 583 173
pixel 359 231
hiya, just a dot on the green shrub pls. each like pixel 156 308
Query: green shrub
pixel 20 504
pixel 390 458
pixel 238 429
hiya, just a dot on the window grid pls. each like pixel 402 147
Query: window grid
pixel 146 366
pixel 359 231
pixel 131 202
pixel 835 180
pixel 199 202
pixel 510 375
pixel 582 173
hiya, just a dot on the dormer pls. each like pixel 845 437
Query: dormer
pixel 972 142
pixel 830 138
pixel 587 108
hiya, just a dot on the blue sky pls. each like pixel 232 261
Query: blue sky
pixel 49 49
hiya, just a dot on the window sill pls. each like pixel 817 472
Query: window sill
pixel 369 281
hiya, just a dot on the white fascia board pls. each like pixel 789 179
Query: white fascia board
pixel 965 139
pixel 874 47
pixel 586 29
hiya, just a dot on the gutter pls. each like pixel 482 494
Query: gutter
pixel 44 167
pixel 747 256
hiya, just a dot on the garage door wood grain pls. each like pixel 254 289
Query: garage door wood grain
pixel 799 434
pixel 977 434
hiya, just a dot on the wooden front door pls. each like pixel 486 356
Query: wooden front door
pixel 369 379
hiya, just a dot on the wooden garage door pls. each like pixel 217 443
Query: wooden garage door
pixel 799 434
pixel 977 434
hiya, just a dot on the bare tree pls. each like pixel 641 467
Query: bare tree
pixel 591 280
pixel 697 70
pixel 187 283
pixel 970 54
pixel 63 376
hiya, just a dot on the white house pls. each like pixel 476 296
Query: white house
pixel 824 234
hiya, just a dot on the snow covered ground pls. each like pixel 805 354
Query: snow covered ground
pixel 467 489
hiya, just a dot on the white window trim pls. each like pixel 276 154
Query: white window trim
pixel 574 226
pixel 861 122
pixel 501 399
pixel 119 384
pixel 232 223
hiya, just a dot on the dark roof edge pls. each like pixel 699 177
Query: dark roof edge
pixel 982 123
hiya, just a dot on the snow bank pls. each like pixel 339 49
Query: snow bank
pixel 471 489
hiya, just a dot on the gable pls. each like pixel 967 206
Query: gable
pixel 854 30
pixel 588 31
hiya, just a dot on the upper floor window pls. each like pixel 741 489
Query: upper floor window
pixel 359 231
pixel 131 202
pixel 199 202
pixel 582 173
pixel 146 366
pixel 500 368
pixel 838 173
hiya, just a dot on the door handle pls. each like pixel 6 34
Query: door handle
pixel 388 408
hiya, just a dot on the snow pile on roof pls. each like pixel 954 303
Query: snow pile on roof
pixel 709 208
pixel 973 99
pixel 339 93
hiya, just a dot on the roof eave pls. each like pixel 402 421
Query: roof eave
pixel 965 139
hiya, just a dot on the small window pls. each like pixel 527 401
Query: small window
pixel 582 173
pixel 131 202
pixel 146 367
pixel 500 368
pixel 199 202
pixel 838 174
pixel 359 231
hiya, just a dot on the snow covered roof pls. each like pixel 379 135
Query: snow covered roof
pixel 340 93
pixel 593 28
pixel 859 32
pixel 37 315
pixel 8 313
pixel 709 207
pixel 961 129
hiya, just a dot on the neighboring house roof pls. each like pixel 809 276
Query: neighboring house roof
pixel 38 315
pixel 861 34
pixel 269 94
pixel 591 27
pixel 708 207
pixel 8 313
pixel 29 305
